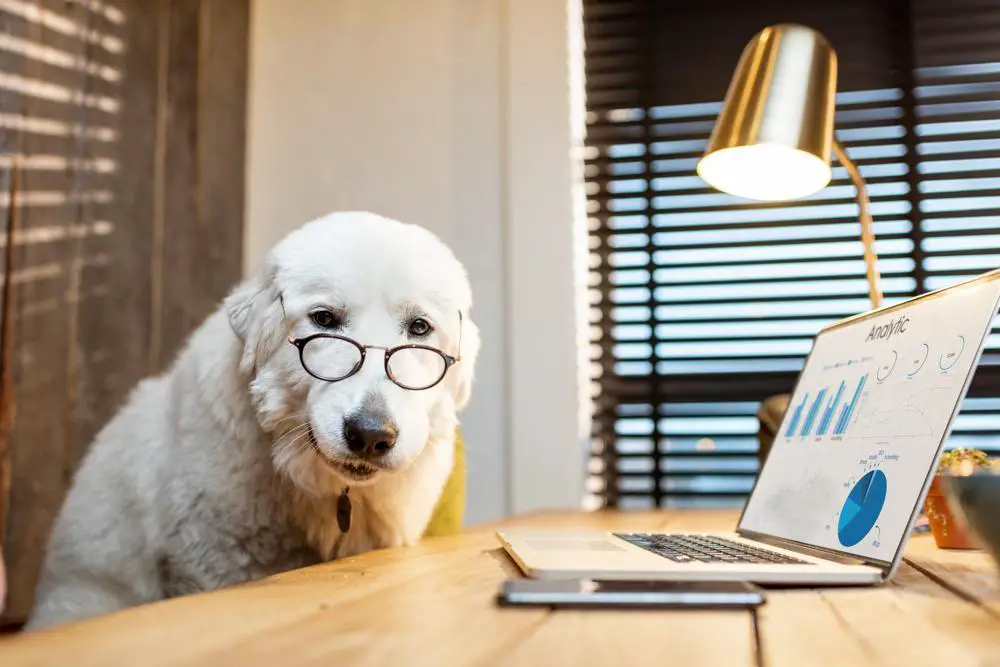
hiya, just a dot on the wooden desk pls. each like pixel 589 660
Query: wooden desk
pixel 433 605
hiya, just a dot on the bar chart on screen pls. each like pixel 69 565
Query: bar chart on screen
pixel 827 411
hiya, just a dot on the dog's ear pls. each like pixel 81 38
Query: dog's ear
pixel 465 369
pixel 257 317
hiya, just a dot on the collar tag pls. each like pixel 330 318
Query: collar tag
pixel 344 511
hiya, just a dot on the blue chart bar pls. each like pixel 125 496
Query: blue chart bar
pixel 796 417
pixel 845 414
pixel 811 418
pixel 824 424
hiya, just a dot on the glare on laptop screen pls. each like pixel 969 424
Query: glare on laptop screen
pixel 863 428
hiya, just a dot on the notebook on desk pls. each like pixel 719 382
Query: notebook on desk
pixel 847 474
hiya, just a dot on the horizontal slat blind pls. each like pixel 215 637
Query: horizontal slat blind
pixel 957 94
pixel 704 304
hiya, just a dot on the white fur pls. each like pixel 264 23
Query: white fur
pixel 207 476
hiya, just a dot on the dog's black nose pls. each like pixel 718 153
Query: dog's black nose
pixel 369 436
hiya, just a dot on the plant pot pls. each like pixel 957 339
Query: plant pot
pixel 948 531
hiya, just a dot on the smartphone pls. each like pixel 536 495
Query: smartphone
pixel 595 593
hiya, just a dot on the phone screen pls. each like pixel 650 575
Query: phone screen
pixel 602 593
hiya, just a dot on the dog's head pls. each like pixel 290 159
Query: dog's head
pixel 333 300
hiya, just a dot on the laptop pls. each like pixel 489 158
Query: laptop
pixel 848 471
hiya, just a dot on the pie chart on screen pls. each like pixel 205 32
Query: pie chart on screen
pixel 861 509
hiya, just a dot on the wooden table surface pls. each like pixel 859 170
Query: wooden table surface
pixel 434 605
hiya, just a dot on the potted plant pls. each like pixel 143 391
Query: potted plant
pixel 948 531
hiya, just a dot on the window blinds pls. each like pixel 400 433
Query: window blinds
pixel 703 304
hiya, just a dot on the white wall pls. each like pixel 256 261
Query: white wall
pixel 453 114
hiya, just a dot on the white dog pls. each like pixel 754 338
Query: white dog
pixel 231 465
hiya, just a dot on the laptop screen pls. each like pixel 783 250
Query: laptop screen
pixel 871 407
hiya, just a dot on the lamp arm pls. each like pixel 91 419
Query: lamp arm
pixel 867 233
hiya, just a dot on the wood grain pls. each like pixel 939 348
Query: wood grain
pixel 132 209
pixel 609 638
pixel 223 74
pixel 7 313
pixel 203 164
pixel 968 573
pixel 913 621
pixel 317 613
pixel 170 142
pixel 637 638
pixel 434 604
pixel 38 442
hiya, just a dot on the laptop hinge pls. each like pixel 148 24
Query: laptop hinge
pixel 843 559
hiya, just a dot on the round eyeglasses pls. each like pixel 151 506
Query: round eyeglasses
pixel 332 357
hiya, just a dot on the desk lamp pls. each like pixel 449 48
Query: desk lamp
pixel 773 138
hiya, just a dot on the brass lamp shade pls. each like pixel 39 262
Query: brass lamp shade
pixel 773 139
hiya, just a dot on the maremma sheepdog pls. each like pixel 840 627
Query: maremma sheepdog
pixel 331 377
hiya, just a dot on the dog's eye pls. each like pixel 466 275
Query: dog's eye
pixel 324 319
pixel 420 327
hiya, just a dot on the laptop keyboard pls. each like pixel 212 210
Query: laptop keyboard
pixel 705 549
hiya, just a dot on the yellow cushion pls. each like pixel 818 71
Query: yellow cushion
pixel 450 509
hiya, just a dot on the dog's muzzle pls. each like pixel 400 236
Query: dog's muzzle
pixel 354 469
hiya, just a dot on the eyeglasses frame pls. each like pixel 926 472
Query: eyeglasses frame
pixel 449 360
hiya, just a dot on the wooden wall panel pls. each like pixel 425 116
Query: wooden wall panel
pixel 203 163
pixel 38 442
pixel 147 216
pixel 225 30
